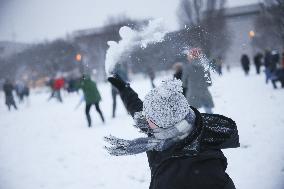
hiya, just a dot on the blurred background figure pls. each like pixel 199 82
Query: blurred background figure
pixel 73 84
pixel 278 76
pixel 92 97
pixel 22 90
pixel 56 85
pixel 275 58
pixel 196 84
pixel 267 62
pixel 8 88
pixel 49 83
pixel 245 63
pixel 282 61
pixel 177 67
pixel 151 74
pixel 271 61
pixel 218 62
pixel 276 69
pixel 257 62
pixel 120 70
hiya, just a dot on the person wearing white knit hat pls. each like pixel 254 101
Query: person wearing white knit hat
pixel 183 146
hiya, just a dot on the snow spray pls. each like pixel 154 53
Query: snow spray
pixel 154 32
pixel 197 53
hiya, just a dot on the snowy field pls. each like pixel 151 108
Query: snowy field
pixel 47 145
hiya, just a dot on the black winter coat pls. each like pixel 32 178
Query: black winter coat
pixel 245 62
pixel 8 89
pixel 195 162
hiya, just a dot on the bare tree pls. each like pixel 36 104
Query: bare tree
pixel 269 25
pixel 39 60
pixel 206 25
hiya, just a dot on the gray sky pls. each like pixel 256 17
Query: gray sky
pixel 37 20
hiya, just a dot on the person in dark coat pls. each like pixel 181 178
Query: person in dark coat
pixel 196 81
pixel 92 97
pixel 178 70
pixel 278 76
pixel 257 62
pixel 282 60
pixel 121 70
pixel 245 63
pixel 151 74
pixel 183 146
pixel 73 85
pixel 22 90
pixel 267 63
pixel 273 73
pixel 275 59
pixel 8 91
pixel 218 63
pixel 178 66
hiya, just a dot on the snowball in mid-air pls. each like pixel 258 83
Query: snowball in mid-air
pixel 126 32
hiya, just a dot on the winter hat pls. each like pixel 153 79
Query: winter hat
pixel 169 110
pixel 165 105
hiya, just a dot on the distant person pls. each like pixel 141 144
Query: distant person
pixel 92 97
pixel 8 91
pixel 278 76
pixel 219 65
pixel 275 59
pixel 73 85
pixel 267 63
pixel 178 70
pixel 121 70
pixel 196 81
pixel 228 67
pixel 282 61
pixel 271 68
pixel 257 62
pixel 22 90
pixel 178 67
pixel 245 63
pixel 49 84
pixel 151 74
pixel 56 86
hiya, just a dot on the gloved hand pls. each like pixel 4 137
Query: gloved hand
pixel 118 82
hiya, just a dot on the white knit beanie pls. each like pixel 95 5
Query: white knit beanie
pixel 165 105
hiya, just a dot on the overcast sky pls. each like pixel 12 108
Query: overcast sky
pixel 37 20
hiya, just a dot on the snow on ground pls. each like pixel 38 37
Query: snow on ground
pixel 48 145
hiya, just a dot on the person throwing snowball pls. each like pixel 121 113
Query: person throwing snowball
pixel 183 146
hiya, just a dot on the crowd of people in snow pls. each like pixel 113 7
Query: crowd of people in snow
pixel 272 62
pixel 195 79
pixel 183 146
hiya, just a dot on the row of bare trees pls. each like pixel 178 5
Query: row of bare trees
pixel 202 24
pixel 269 25
pixel 205 21
pixel 40 60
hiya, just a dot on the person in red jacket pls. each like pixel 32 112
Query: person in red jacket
pixel 57 85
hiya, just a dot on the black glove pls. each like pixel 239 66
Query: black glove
pixel 118 82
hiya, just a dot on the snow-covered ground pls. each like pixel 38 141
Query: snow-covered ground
pixel 48 145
